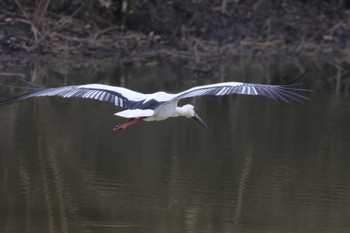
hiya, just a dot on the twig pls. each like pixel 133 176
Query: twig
pixel 59 25
pixel 33 28
pixel 22 10
pixel 12 74
pixel 97 34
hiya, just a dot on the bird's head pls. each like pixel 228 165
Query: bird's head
pixel 188 111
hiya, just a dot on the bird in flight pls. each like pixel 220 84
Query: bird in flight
pixel 161 105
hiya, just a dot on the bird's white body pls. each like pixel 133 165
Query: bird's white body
pixel 135 113
pixel 164 112
pixel 161 105
pixel 159 114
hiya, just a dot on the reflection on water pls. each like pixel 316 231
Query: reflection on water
pixel 261 166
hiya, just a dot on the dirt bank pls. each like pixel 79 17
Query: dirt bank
pixel 194 30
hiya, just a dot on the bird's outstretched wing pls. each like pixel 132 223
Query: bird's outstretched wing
pixel 118 96
pixel 286 93
pixel 126 98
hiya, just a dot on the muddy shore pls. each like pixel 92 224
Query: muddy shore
pixel 198 31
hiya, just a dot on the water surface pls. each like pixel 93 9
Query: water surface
pixel 261 166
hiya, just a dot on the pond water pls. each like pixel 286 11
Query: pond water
pixel 261 166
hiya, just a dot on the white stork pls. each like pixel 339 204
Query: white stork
pixel 161 105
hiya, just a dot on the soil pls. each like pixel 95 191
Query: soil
pixel 198 31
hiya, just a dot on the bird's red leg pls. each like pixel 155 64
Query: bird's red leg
pixel 128 123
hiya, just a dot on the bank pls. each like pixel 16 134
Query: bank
pixel 197 31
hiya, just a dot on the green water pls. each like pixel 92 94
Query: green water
pixel 261 166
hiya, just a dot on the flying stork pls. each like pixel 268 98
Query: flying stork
pixel 161 105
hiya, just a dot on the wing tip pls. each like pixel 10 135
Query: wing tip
pixel 11 100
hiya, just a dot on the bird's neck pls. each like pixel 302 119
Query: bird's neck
pixel 183 111
pixel 179 112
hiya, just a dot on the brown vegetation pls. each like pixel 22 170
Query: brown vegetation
pixel 130 29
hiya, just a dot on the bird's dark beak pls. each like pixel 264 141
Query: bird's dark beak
pixel 199 120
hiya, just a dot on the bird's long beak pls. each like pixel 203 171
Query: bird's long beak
pixel 199 120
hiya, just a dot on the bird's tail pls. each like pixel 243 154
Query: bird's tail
pixel 135 113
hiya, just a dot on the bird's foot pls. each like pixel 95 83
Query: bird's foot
pixel 128 123
pixel 119 128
